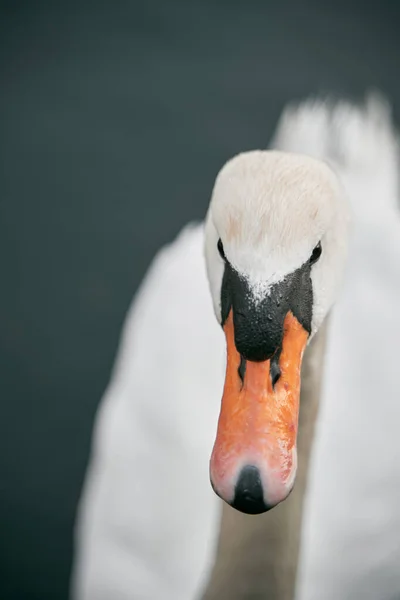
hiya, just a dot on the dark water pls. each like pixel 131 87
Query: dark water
pixel 114 119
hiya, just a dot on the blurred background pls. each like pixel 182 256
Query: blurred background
pixel 115 118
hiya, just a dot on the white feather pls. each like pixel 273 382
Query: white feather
pixel 148 522
pixel 351 546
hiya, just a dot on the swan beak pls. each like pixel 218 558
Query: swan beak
pixel 254 460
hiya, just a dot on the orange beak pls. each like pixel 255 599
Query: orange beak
pixel 254 460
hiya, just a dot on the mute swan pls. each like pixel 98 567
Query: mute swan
pixel 275 239
pixel 350 540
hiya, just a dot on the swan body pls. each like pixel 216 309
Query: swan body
pixel 149 518
pixel 148 521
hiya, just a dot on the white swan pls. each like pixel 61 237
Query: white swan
pixel 351 544
pixel 148 522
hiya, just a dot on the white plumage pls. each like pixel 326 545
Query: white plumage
pixel 352 518
pixel 148 520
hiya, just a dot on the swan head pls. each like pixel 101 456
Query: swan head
pixel 275 244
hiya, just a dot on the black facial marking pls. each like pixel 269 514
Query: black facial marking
pixel 258 327
pixel 226 296
pixel 274 368
pixel 242 368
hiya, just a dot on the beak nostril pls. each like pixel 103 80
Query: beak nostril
pixel 275 373
pixel 274 368
pixel 242 368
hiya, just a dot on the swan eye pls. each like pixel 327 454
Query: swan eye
pixel 221 249
pixel 316 253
